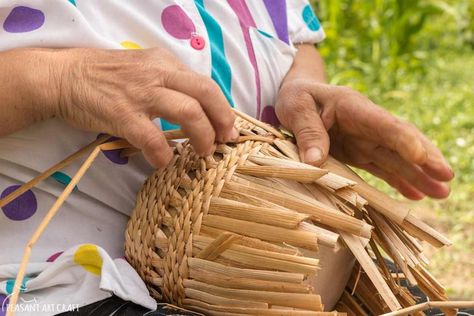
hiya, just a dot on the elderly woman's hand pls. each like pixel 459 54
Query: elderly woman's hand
pixel 118 92
pixel 338 120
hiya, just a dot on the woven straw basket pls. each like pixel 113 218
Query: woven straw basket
pixel 228 234
pixel 239 233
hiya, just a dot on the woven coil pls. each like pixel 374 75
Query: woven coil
pixel 226 234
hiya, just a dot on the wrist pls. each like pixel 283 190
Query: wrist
pixel 294 85
pixel 39 79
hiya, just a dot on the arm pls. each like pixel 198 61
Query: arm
pixel 116 92
pixel 25 87
pixel 338 120
pixel 308 64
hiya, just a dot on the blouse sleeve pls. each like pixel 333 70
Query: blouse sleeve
pixel 303 24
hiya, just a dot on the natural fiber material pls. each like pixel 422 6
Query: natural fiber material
pixel 224 235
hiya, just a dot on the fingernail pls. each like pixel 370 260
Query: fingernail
pixel 210 151
pixel 235 134
pixel 312 155
pixel 230 137
pixel 447 188
pixel 452 172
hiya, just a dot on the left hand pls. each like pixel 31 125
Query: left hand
pixel 340 121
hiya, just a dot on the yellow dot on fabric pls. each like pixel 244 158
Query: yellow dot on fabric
pixel 130 45
pixel 89 258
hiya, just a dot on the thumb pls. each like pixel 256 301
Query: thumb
pixel 143 134
pixel 311 135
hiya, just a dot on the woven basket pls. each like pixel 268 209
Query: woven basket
pixel 228 234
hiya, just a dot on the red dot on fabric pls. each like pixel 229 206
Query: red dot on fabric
pixel 198 42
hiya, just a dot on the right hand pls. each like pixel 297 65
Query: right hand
pixel 356 131
pixel 120 92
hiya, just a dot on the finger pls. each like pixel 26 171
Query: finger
pixel 212 100
pixel 381 127
pixel 391 162
pixel 436 165
pixel 409 191
pixel 350 149
pixel 302 118
pixel 405 189
pixel 360 152
pixel 142 133
pixel 394 181
pixel 181 109
pixel 358 116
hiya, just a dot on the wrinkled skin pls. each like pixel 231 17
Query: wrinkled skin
pixel 336 120
pixel 119 92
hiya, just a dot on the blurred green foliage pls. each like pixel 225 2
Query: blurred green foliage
pixel 385 40
pixel 416 58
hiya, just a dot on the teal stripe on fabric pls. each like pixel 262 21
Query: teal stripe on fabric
pixel 167 126
pixel 62 178
pixel 11 283
pixel 220 68
pixel 221 72
pixel 265 34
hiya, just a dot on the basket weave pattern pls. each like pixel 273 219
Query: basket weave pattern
pixel 224 234
pixel 159 242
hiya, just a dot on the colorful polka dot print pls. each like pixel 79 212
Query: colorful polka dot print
pixel 265 34
pixel 247 22
pixel 3 304
pixel 62 178
pixel 89 258
pixel 23 19
pixel 178 24
pixel 220 68
pixel 115 154
pixel 269 116
pixel 54 256
pixel 167 126
pixel 11 283
pixel 310 18
pixel 130 45
pixel 214 38
pixel 21 208
pixel 277 9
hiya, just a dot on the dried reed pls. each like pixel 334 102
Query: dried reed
pixel 224 235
